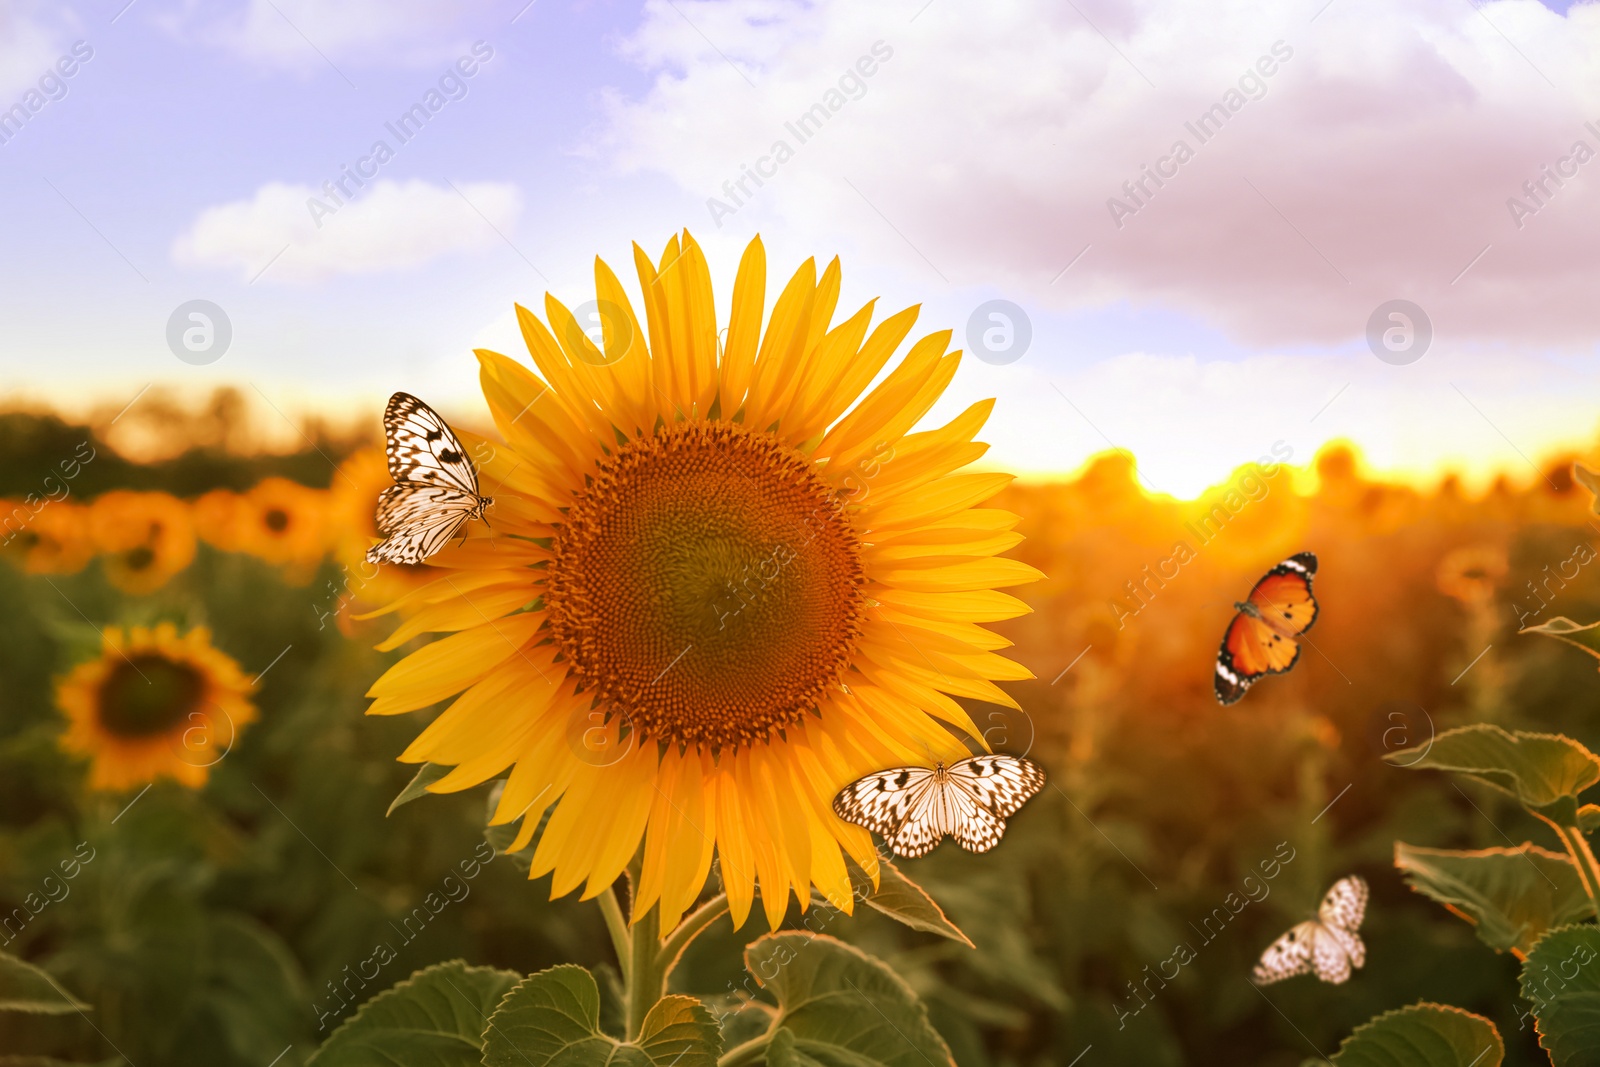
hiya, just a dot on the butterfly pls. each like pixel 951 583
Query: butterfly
pixel 1327 945
pixel 1261 638
pixel 436 485
pixel 915 807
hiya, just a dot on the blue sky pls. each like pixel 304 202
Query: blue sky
pixel 979 161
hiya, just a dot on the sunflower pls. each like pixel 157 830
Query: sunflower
pixel 284 522
pixel 219 519
pixel 720 584
pixel 145 537
pixel 54 541
pixel 154 704
pixel 1470 574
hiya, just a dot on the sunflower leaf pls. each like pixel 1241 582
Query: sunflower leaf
pixel 24 987
pixel 1565 992
pixel 553 1017
pixel 1512 895
pixel 1538 769
pixel 837 1005
pixel 432 1019
pixel 1576 634
pixel 426 775
pixel 1423 1035
pixel 680 1030
pixel 904 901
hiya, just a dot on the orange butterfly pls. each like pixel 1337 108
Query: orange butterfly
pixel 1261 638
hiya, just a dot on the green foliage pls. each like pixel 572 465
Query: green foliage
pixel 1561 977
pixel 1512 895
pixel 1540 770
pixel 426 775
pixel 1423 1035
pixel 553 1017
pixel 904 901
pixel 435 1018
pixel 1578 635
pixel 838 1005
pixel 24 987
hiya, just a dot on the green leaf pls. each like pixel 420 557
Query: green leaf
pixel 1423 1035
pixel 1563 629
pixel 553 1017
pixel 24 987
pixel 904 901
pixel 1537 769
pixel 679 1030
pixel 840 1006
pixel 432 1019
pixel 1512 895
pixel 426 775
pixel 1565 990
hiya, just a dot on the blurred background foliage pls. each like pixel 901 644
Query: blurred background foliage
pixel 221 927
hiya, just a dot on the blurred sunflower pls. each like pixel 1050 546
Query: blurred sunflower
pixel 716 591
pixel 219 519
pixel 154 704
pixel 55 541
pixel 1470 574
pixel 284 522
pixel 145 538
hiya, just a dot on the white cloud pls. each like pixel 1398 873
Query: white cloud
pixel 1376 162
pixel 304 35
pixel 30 43
pixel 390 226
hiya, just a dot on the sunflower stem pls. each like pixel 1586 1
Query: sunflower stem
pixel 750 1052
pixel 646 980
pixel 621 936
pixel 676 943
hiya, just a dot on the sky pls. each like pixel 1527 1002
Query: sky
pixel 1178 228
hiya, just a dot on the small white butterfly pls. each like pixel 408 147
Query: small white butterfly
pixel 1327 945
pixel 915 807
pixel 436 485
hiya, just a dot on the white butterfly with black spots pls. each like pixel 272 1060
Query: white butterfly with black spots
pixel 436 485
pixel 1327 946
pixel 914 808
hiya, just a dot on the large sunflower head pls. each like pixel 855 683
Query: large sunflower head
pixel 721 584
pixel 154 704
pixel 144 538
pixel 53 540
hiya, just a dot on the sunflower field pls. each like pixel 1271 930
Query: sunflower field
pixel 568 789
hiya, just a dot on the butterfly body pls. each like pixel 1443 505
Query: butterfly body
pixel 436 485
pixel 1327 946
pixel 914 808
pixel 1263 637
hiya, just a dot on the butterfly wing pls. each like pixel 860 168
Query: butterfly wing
pixel 1341 912
pixel 418 520
pixel 1288 956
pixel 934 813
pixel 882 802
pixel 1262 642
pixel 976 828
pixel 999 783
pixel 1330 954
pixel 422 448
pixel 1283 595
